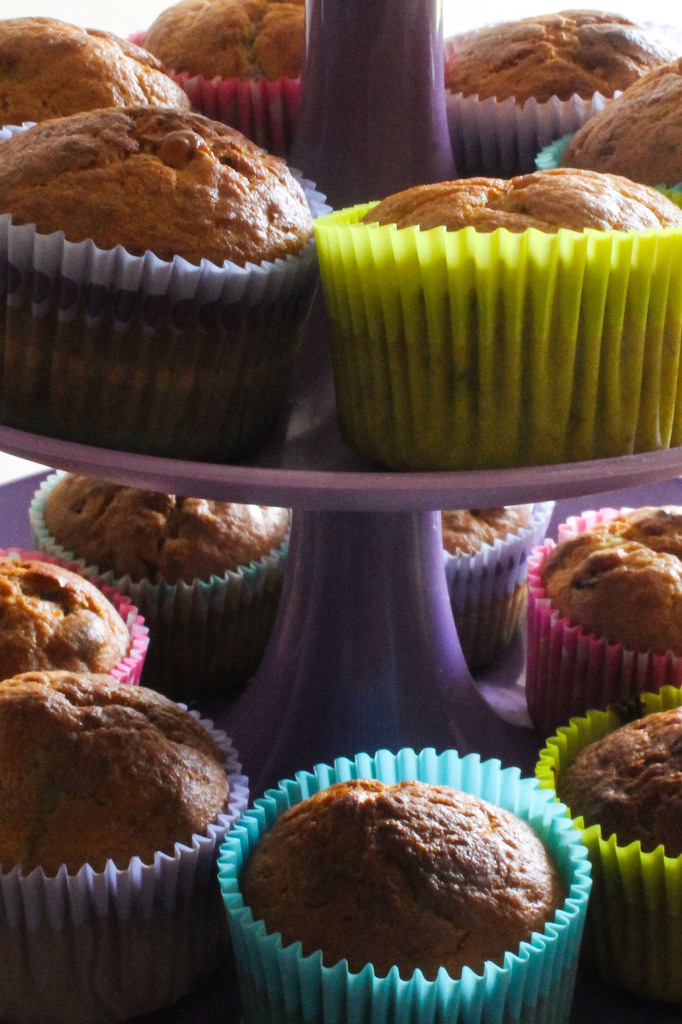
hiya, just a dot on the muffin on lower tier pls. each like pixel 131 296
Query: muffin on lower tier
pixel 633 929
pixel 49 68
pixel 52 617
pixel 486 554
pixel 514 86
pixel 604 612
pixel 489 323
pixel 238 60
pixel 206 575
pixel 109 892
pixel 281 979
pixel 159 268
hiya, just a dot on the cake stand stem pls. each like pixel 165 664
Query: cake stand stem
pixel 364 653
pixel 372 118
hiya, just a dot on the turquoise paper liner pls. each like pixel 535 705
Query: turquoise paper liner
pixel 278 984
pixel 205 637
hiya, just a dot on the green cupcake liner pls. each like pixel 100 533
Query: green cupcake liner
pixel 279 984
pixel 633 929
pixel 466 350
pixel 205 637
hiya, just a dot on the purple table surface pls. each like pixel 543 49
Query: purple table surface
pixel 216 999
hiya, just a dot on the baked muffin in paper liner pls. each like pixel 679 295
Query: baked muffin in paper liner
pixel 207 636
pixel 471 350
pixel 535 982
pixel 570 670
pixel 107 946
pixel 488 590
pixel 130 669
pixel 633 928
pixel 132 352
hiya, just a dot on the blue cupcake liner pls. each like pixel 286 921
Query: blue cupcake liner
pixel 535 983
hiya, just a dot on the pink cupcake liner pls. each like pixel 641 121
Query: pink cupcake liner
pixel 129 670
pixel 264 110
pixel 570 671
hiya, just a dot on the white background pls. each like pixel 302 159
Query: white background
pixel 126 16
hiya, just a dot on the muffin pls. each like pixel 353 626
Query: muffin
pixel 49 68
pixel 51 617
pixel 207 575
pixel 370 847
pixel 489 323
pixel 514 87
pixel 637 135
pixel 605 613
pixel 239 60
pixel 486 552
pixel 633 930
pixel 183 282
pixel 115 801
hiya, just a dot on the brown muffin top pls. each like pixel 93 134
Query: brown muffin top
pixel 639 134
pixel 622 579
pixel 231 38
pixel 49 68
pixel 571 52
pixel 467 530
pixel 92 769
pixel 169 181
pixel 545 200
pixel 52 618
pixel 146 534
pixel 630 782
pixel 409 874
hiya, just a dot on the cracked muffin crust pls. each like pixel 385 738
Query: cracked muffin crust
pixel 152 535
pixel 571 52
pixel 92 769
pixel 50 68
pixel 467 530
pixel 169 181
pixel 630 782
pixel 231 38
pixel 410 874
pixel 622 579
pixel 637 135
pixel 545 200
pixel 52 618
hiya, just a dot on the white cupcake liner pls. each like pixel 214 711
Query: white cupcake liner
pixel 106 946
pixel 488 588
pixel 205 636
pixel 129 669
pixel 502 138
pixel 106 348
pixel 570 671
pixel 534 985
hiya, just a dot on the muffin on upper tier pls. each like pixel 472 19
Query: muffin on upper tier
pixel 637 135
pixel 231 38
pixel 544 200
pixel 49 68
pixel 502 335
pixel 559 54
pixel 173 305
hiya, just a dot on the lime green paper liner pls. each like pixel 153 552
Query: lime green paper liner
pixel 633 930
pixel 466 350
pixel 535 983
